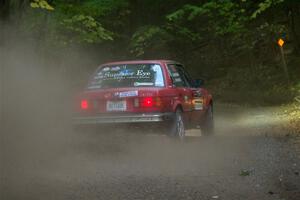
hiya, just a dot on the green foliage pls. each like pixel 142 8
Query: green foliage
pixel 259 84
pixel 103 7
pixel 43 4
pixel 217 17
pixel 147 37
pixel 98 9
pixel 263 6
pixel 86 29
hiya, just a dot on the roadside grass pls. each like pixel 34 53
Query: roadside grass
pixel 291 112
pixel 275 120
pixel 256 85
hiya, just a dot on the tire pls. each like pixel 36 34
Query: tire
pixel 207 126
pixel 178 127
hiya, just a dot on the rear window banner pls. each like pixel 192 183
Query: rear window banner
pixel 131 75
pixel 128 94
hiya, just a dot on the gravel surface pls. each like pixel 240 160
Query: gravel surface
pixel 242 161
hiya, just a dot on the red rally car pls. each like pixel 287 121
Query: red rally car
pixel 146 92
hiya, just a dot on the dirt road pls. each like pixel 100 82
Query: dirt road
pixel 244 160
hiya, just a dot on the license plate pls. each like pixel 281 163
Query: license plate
pixel 116 106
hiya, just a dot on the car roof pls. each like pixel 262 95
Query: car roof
pixel 139 62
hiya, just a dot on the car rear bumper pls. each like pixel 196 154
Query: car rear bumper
pixel 126 118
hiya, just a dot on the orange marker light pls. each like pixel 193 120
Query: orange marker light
pixel 280 42
pixel 158 102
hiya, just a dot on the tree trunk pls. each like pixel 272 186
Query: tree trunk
pixel 292 26
pixel 4 10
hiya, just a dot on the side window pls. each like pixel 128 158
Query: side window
pixel 177 75
pixel 185 76
pixel 188 78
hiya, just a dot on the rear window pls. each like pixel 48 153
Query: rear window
pixel 127 75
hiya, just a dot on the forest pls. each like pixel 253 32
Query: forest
pixel 231 44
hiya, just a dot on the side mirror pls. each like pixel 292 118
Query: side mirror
pixel 198 83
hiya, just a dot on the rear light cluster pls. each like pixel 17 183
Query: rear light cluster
pixel 147 102
pixel 84 105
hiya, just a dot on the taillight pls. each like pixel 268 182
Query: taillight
pixel 147 102
pixel 84 105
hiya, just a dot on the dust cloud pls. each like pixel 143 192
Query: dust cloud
pixel 36 102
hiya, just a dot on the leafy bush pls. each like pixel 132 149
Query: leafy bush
pixel 258 84
pixel 86 29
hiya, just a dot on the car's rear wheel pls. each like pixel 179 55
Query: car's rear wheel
pixel 207 125
pixel 178 127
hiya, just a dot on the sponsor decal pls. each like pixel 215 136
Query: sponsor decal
pixel 128 94
pixel 126 72
pixel 116 94
pixel 142 73
pixel 106 69
pixel 198 104
pixel 177 80
pixel 136 84
pixel 94 87
pixel 175 74
pixel 117 68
